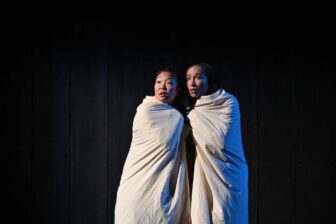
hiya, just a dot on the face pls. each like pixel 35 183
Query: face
pixel 197 81
pixel 165 87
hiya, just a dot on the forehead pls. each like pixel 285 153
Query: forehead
pixel 165 75
pixel 194 69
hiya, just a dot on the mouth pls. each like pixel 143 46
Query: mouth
pixel 193 91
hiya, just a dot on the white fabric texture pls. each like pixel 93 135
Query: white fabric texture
pixel 220 185
pixel 154 183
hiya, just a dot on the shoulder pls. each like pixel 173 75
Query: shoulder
pixel 150 110
pixel 232 101
pixel 230 97
pixel 143 110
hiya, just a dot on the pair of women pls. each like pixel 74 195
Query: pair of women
pixel 154 185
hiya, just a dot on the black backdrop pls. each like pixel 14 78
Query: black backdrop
pixel 71 90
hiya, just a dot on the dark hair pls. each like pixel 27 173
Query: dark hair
pixel 167 69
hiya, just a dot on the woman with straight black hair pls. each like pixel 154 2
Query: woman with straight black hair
pixel 154 183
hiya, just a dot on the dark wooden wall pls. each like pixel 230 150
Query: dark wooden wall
pixel 72 92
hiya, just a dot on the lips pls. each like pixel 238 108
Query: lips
pixel 193 90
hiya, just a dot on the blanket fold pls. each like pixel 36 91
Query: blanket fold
pixel 154 183
pixel 220 185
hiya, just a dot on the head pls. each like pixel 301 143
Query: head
pixel 165 86
pixel 201 80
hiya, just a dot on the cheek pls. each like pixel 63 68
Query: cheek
pixel 189 83
pixel 199 83
pixel 171 89
pixel 155 89
pixel 204 87
pixel 204 83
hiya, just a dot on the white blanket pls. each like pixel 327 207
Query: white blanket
pixel 220 186
pixel 154 183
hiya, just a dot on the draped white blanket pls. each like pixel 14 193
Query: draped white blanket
pixel 220 186
pixel 154 183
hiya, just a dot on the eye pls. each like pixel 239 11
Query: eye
pixel 171 81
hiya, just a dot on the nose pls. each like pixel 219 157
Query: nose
pixel 192 82
pixel 163 85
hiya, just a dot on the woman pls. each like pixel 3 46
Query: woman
pixel 154 183
pixel 220 183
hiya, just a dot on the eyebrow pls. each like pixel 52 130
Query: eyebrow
pixel 198 73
